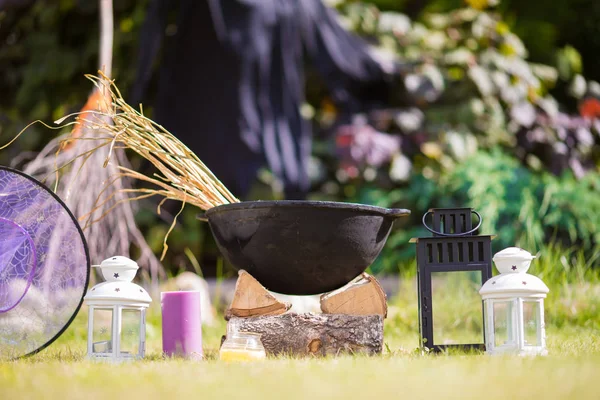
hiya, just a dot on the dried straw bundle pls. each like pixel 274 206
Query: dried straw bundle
pixel 181 174
pixel 113 126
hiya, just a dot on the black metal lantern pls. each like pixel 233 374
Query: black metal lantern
pixel 451 267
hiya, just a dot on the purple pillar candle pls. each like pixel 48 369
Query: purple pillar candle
pixel 181 324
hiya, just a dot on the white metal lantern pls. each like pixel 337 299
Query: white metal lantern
pixel 117 313
pixel 514 306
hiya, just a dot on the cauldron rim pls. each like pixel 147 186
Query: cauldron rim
pixel 314 204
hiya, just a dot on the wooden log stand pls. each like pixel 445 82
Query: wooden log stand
pixel 352 319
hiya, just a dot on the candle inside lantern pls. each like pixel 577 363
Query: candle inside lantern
pixel 181 324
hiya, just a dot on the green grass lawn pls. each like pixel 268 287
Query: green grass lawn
pixel 570 371
pixel 390 376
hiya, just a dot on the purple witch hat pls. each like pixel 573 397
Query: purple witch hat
pixel 44 265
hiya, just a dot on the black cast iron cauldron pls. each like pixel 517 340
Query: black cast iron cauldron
pixel 301 247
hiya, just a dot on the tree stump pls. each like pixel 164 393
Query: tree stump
pixel 315 334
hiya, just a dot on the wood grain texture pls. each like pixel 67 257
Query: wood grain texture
pixel 362 296
pixel 251 299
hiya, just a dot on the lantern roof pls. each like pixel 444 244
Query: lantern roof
pixel 118 289
pixel 513 285
pixel 118 292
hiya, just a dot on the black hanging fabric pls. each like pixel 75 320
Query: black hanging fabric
pixel 231 81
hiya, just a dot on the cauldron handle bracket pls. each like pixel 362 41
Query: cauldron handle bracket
pixel 397 212
pixel 202 217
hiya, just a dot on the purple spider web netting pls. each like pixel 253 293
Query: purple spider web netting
pixel 44 265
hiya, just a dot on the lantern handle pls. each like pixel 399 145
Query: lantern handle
pixel 451 234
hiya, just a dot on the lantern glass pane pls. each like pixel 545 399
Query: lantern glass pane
pixel 531 323
pixel 130 332
pixel 456 307
pixel 504 329
pixel 102 331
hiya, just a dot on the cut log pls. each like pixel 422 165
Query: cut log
pixel 314 334
pixel 362 296
pixel 251 299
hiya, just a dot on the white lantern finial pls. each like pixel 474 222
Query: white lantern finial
pixel 512 260
pixel 118 268
pixel 514 306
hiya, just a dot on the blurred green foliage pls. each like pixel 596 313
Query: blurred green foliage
pixel 46 47
pixel 487 120
pixel 478 125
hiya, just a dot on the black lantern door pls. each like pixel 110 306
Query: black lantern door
pixel 451 267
